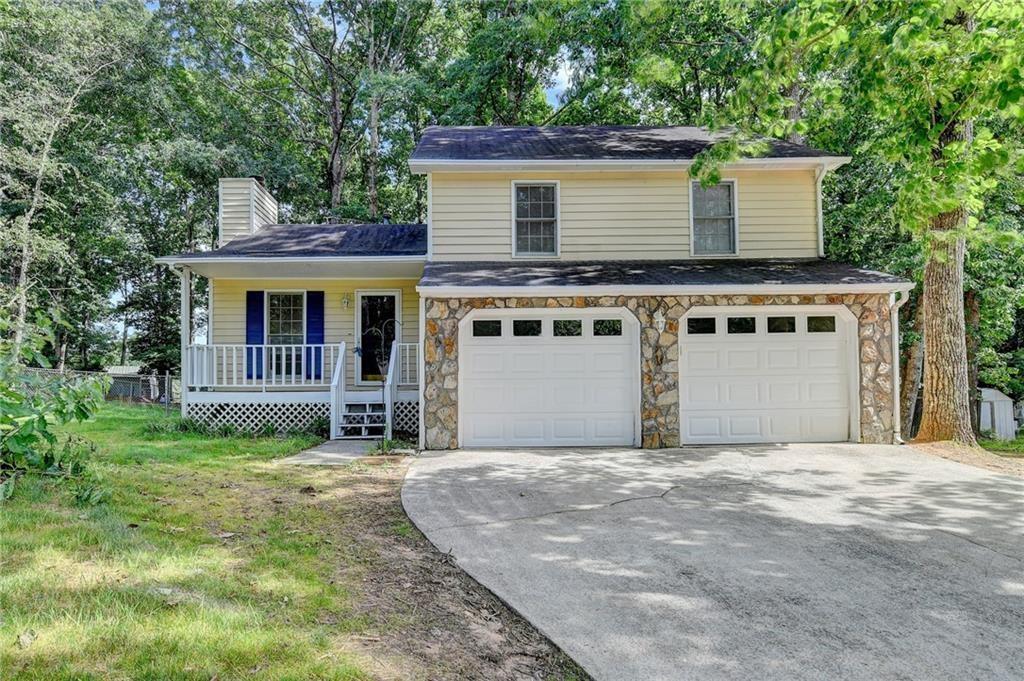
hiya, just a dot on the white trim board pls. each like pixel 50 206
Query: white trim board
pixel 421 166
pixel 657 290
pixel 175 260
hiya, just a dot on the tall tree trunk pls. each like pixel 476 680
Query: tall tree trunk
pixel 910 388
pixel 62 353
pixel 336 176
pixel 374 155
pixel 124 326
pixel 946 414
pixel 21 290
pixel 795 111
pixel 124 342
pixel 972 320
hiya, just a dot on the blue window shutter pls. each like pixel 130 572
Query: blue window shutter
pixel 254 334
pixel 314 334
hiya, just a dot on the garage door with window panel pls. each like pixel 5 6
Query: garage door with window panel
pixel 548 379
pixel 772 375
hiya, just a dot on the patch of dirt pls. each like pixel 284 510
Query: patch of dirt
pixel 973 457
pixel 430 609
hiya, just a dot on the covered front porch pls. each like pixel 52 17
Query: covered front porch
pixel 294 345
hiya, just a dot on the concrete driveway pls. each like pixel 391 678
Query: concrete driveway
pixel 788 562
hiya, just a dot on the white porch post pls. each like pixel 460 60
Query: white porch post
pixel 186 333
pixel 421 363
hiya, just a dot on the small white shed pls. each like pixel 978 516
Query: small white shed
pixel 997 414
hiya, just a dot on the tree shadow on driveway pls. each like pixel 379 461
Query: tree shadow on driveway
pixel 797 561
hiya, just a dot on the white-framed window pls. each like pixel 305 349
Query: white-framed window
pixel 286 317
pixel 535 219
pixel 714 225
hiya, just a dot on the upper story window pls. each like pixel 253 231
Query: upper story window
pixel 536 219
pixel 714 219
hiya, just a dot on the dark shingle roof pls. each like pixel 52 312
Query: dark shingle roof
pixel 650 273
pixel 330 240
pixel 579 143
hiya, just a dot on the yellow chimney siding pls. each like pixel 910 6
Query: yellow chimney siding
pixel 339 322
pixel 244 207
pixel 622 215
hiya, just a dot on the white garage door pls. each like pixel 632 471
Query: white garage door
pixel 538 378
pixel 771 375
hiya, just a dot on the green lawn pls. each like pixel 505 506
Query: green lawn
pixel 211 561
pixel 151 585
pixel 1012 448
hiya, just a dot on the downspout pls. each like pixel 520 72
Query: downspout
pixel 894 322
pixel 819 175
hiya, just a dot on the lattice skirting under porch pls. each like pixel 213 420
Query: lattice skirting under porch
pixel 407 418
pixel 254 416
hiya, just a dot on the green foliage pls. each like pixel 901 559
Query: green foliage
pixel 386 446
pixel 319 427
pixel 32 403
pixel 913 72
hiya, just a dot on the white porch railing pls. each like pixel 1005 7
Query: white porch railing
pixel 408 363
pixel 260 366
pixel 338 392
pixel 391 389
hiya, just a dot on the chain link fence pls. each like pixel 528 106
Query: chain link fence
pixel 140 388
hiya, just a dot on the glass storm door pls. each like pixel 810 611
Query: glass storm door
pixel 377 314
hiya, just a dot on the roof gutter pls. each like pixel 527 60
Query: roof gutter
pixel 422 166
pixel 819 175
pixel 894 325
pixel 177 259
pixel 659 290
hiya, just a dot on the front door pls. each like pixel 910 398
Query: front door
pixel 377 319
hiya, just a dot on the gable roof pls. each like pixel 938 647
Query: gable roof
pixel 327 240
pixel 607 143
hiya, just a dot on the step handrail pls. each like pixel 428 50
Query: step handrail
pixel 390 390
pixel 338 392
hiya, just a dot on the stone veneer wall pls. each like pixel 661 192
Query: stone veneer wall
pixel 659 355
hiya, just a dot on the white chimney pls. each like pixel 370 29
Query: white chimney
pixel 243 207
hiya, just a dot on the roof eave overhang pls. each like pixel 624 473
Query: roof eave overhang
pixel 662 290
pixel 312 267
pixel 253 259
pixel 424 166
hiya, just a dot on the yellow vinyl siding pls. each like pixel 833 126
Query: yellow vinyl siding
pixel 621 215
pixel 339 322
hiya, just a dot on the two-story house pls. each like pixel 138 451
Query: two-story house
pixel 573 286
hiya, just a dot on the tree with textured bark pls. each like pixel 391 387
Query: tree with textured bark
pixel 925 72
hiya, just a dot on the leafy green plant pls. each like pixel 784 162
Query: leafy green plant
pixel 387 446
pixel 32 402
pixel 320 426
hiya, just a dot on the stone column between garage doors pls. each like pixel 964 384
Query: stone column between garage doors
pixel 659 357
